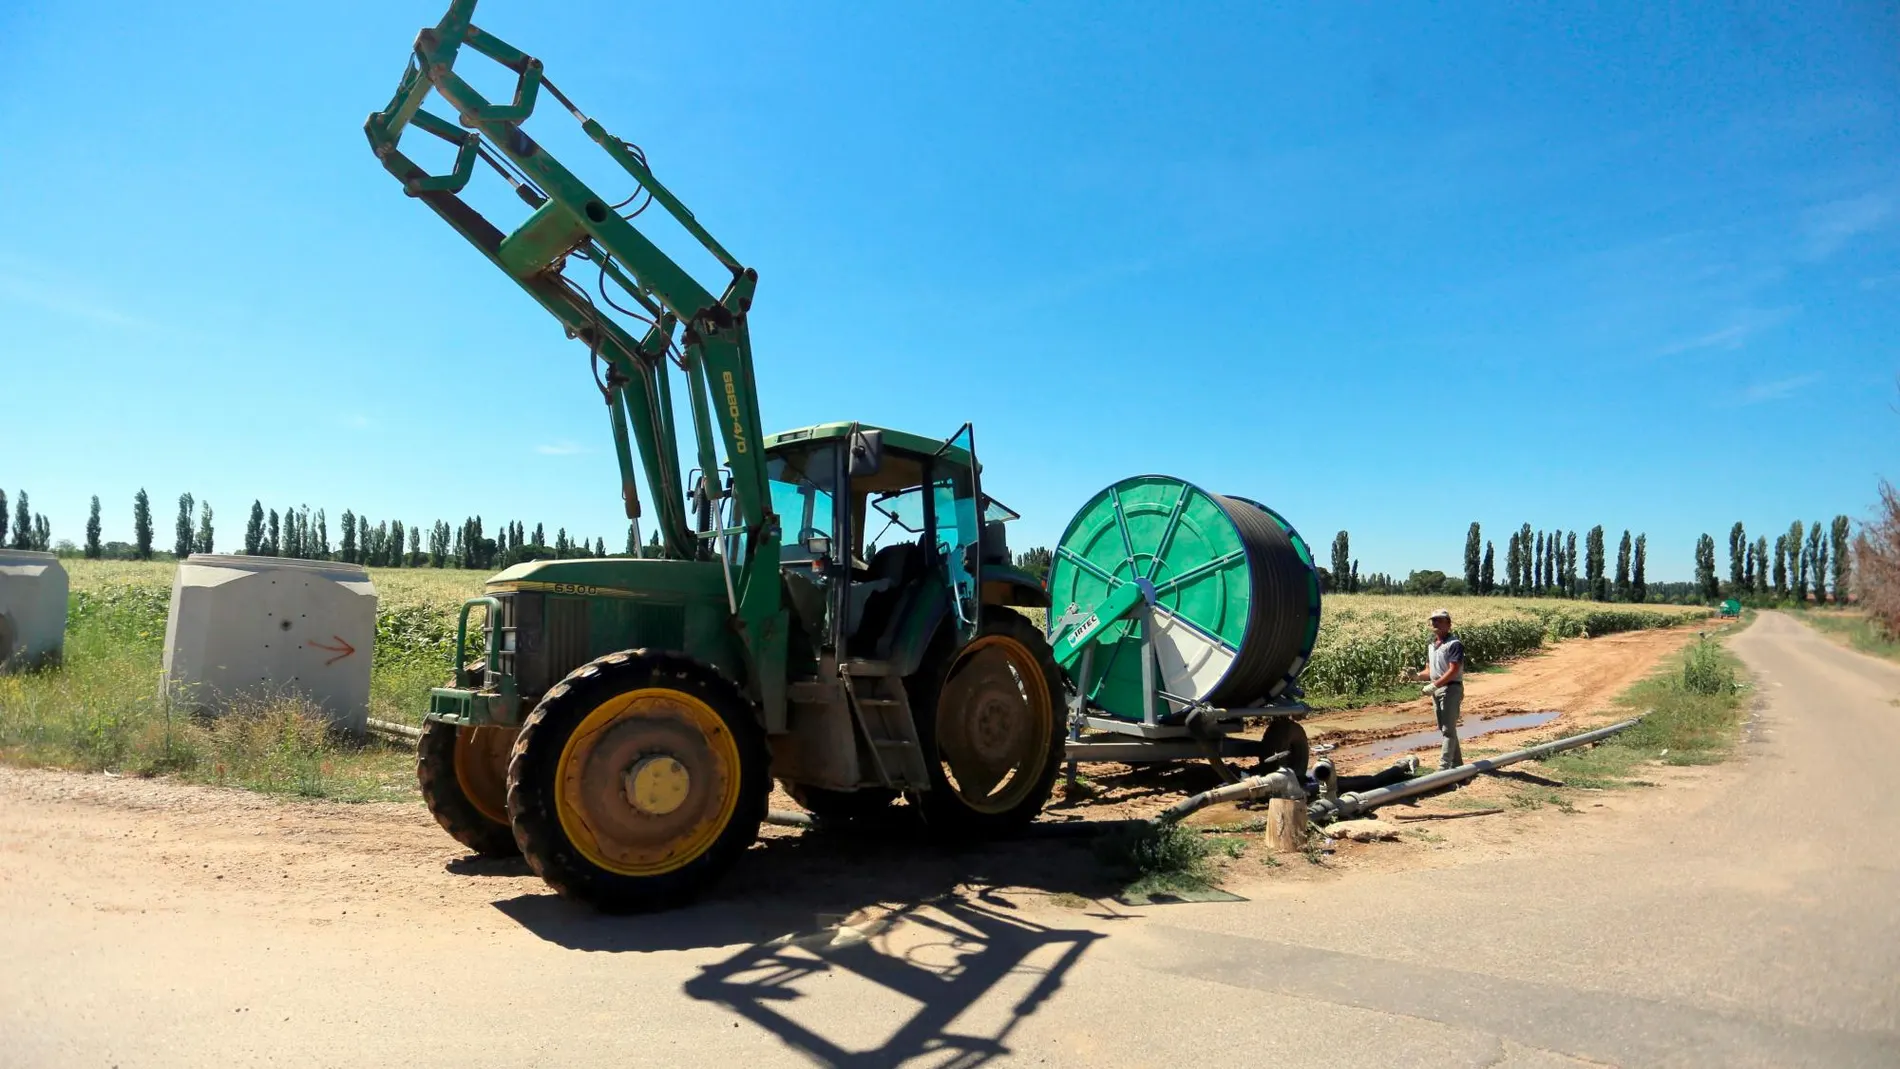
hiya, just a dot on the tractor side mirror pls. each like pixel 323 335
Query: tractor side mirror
pixel 867 453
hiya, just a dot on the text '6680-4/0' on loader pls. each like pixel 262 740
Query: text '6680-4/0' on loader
pixel 832 606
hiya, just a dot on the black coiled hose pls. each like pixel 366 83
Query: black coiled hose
pixel 1279 614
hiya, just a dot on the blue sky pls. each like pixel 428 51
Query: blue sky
pixel 1386 269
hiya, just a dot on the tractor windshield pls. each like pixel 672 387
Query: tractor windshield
pixel 803 485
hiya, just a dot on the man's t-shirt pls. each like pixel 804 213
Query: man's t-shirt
pixel 1445 654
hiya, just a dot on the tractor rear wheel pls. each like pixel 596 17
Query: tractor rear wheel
pixel 463 773
pixel 990 718
pixel 637 780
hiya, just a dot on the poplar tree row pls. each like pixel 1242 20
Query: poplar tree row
pixel 302 534
pixel 1805 561
pixel 1544 564
pixel 30 529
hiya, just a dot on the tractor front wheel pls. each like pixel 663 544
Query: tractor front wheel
pixel 637 780
pixel 463 773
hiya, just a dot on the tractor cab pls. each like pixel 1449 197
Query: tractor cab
pixel 888 539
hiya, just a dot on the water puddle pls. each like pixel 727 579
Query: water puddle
pixel 1471 728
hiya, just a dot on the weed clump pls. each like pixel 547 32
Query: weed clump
pixel 1158 857
pixel 1705 670
pixel 1692 714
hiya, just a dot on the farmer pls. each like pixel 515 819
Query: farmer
pixel 1445 671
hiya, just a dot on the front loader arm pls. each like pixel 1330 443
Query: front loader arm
pixel 569 221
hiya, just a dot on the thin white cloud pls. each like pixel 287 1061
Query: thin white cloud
pixel 1764 392
pixel 560 449
pixel 1748 323
pixel 69 303
pixel 1730 337
pixel 1828 227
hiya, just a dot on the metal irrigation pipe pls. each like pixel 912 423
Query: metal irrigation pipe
pixel 389 727
pixel 1326 810
pixel 1280 784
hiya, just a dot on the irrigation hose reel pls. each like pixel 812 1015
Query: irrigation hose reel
pixel 1176 611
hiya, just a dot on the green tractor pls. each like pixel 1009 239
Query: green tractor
pixel 833 607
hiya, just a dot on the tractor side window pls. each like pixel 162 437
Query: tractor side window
pixel 958 532
pixel 802 487
pixel 960 527
pixel 897 517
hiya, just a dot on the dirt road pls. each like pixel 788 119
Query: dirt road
pixel 1572 685
pixel 1746 921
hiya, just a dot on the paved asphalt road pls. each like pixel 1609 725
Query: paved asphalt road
pixel 1752 919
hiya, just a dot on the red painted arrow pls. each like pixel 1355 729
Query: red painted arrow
pixel 342 649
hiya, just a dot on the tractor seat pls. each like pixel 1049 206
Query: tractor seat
pixel 994 543
pixel 873 598
pixel 858 595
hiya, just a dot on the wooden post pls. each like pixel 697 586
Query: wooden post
pixel 1286 826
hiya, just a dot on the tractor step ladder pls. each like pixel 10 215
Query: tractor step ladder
pixel 881 709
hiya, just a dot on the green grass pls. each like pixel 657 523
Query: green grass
pixel 1227 846
pixel 1857 629
pixel 101 711
pixel 1536 797
pixel 1694 713
pixel 1463 801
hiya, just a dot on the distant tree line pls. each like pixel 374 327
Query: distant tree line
pixel 1036 561
pixel 1536 564
pixel 302 534
pixel 1547 563
pixel 1808 563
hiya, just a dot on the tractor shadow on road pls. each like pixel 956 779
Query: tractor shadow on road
pixel 854 929
pixel 798 881
pixel 952 962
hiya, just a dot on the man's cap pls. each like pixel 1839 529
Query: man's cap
pixel 1441 614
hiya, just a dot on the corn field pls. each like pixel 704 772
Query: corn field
pixel 1370 642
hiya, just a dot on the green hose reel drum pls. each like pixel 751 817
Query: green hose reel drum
pixel 1236 604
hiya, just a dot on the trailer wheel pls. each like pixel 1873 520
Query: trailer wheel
pixel 1284 733
pixel 637 780
pixel 990 718
pixel 463 773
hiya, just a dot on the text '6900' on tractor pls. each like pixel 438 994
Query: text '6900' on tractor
pixel 832 606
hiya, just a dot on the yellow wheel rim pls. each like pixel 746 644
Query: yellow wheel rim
pixel 647 782
pixel 994 724
pixel 481 768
